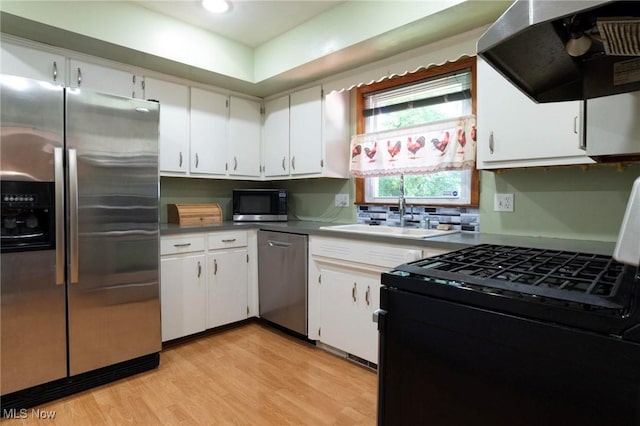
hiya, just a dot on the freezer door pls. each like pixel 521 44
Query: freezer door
pixel 32 312
pixel 113 232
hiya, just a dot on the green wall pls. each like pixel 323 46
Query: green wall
pixel 310 199
pixel 585 203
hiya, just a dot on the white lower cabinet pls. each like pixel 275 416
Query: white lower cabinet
pixel 348 300
pixel 228 279
pixel 182 286
pixel 204 281
pixel 344 290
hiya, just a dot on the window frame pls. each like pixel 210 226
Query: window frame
pixel 432 72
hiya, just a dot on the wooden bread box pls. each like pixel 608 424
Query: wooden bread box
pixel 194 214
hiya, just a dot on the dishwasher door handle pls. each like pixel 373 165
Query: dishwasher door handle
pixel 278 244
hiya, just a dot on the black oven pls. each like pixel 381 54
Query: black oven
pixel 27 216
pixel 257 205
pixel 498 335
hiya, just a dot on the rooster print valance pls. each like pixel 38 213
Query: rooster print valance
pixel 429 148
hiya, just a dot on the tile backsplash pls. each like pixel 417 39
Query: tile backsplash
pixel 459 218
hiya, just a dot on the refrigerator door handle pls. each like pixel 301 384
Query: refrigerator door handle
pixel 73 215
pixel 58 170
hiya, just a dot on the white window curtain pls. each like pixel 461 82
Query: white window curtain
pixel 433 147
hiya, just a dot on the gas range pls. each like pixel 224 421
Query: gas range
pixel 510 335
pixel 588 291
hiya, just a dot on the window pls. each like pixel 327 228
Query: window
pixel 435 94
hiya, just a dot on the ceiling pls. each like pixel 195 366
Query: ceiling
pixel 271 46
pixel 249 22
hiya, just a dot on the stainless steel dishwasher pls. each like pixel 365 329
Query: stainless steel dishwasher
pixel 282 279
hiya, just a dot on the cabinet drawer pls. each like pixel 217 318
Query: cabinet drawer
pixel 222 240
pixel 181 244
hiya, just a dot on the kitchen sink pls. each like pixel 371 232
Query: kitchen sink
pixel 394 231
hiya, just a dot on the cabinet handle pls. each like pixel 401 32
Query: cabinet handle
pixel 79 77
pixel 366 295
pixel 215 266
pixel 293 162
pixel 235 163
pixel 180 165
pixel 55 71
pixel 283 160
pixel 229 240
pixel 491 143
pixel 353 292
pixel 197 160
pixel 199 269
pixel 182 245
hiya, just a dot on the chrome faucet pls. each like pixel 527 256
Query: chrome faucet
pixel 402 204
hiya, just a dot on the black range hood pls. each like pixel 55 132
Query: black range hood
pixel 528 46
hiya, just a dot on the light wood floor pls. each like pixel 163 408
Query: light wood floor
pixel 250 375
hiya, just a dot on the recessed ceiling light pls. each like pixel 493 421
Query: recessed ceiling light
pixel 216 6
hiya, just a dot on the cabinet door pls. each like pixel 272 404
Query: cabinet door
pixel 102 79
pixel 338 309
pixel 276 137
pixel 369 297
pixel 32 63
pixel 306 131
pixel 244 137
pixel 514 131
pixel 228 283
pixel 208 132
pixel 183 295
pixel 174 123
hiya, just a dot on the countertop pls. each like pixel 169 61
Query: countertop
pixel 450 241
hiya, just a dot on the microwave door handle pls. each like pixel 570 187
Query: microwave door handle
pixel 58 170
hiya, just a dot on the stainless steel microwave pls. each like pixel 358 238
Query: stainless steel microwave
pixel 259 205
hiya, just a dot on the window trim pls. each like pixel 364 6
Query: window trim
pixel 361 92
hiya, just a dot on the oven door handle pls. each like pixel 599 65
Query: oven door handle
pixel 58 171
pixel 73 216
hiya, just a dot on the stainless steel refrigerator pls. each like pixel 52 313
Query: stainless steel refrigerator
pixel 80 234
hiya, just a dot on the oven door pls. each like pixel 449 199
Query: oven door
pixel 450 364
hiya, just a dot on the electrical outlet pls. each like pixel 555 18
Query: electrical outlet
pixel 342 200
pixel 503 203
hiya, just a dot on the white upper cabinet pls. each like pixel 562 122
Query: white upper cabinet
pixel 244 137
pixel 514 131
pixel 208 121
pixel 98 78
pixel 174 124
pixel 275 137
pixel 307 135
pixel 32 63
pixel 306 131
